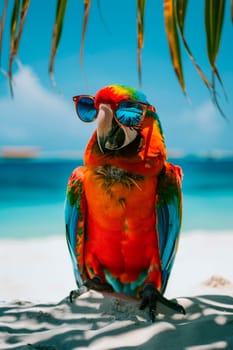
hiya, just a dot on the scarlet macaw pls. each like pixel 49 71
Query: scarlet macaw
pixel 123 207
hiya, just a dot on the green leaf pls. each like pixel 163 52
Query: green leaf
pixel 57 30
pixel 87 5
pixel 140 35
pixel 2 22
pixel 181 7
pixel 14 20
pixel 17 23
pixel 214 14
pixel 23 12
pixel 173 40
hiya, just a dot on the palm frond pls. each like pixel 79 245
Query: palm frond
pixel 57 30
pixel 214 11
pixel 232 11
pixel 140 36
pixel 173 40
pixel 13 27
pixel 87 5
pixel 23 13
pixel 181 7
pixel 214 14
pixel 17 23
pixel 2 22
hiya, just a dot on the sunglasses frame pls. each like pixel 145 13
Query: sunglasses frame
pixel 145 108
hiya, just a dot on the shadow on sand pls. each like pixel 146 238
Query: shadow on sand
pixel 96 321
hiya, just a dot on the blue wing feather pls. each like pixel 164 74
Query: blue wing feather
pixel 73 214
pixel 169 218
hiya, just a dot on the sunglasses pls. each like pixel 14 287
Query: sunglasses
pixel 128 113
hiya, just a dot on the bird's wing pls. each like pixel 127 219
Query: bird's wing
pixel 75 205
pixel 169 215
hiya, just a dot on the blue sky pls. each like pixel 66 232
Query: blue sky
pixel 43 117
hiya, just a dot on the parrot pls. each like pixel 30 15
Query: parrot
pixel 123 206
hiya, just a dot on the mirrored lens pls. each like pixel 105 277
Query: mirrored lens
pixel 86 109
pixel 129 113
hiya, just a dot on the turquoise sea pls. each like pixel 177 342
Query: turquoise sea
pixel 32 195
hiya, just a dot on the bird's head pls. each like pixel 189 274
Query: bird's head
pixel 128 128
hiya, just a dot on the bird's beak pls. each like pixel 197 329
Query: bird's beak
pixel 112 136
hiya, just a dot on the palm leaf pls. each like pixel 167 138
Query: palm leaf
pixel 17 23
pixel 181 7
pixel 214 14
pixel 2 22
pixel 57 30
pixel 87 5
pixel 173 40
pixel 140 36
pixel 232 11
pixel 14 20
pixel 13 28
pixel 23 13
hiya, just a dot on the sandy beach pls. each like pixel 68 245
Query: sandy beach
pixel 36 278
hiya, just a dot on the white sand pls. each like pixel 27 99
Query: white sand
pixel 36 277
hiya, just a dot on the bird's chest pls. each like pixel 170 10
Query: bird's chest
pixel 121 221
pixel 119 201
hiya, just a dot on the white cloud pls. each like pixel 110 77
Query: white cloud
pixel 199 129
pixel 204 118
pixel 39 117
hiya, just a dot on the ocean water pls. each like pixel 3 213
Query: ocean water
pixel 32 195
